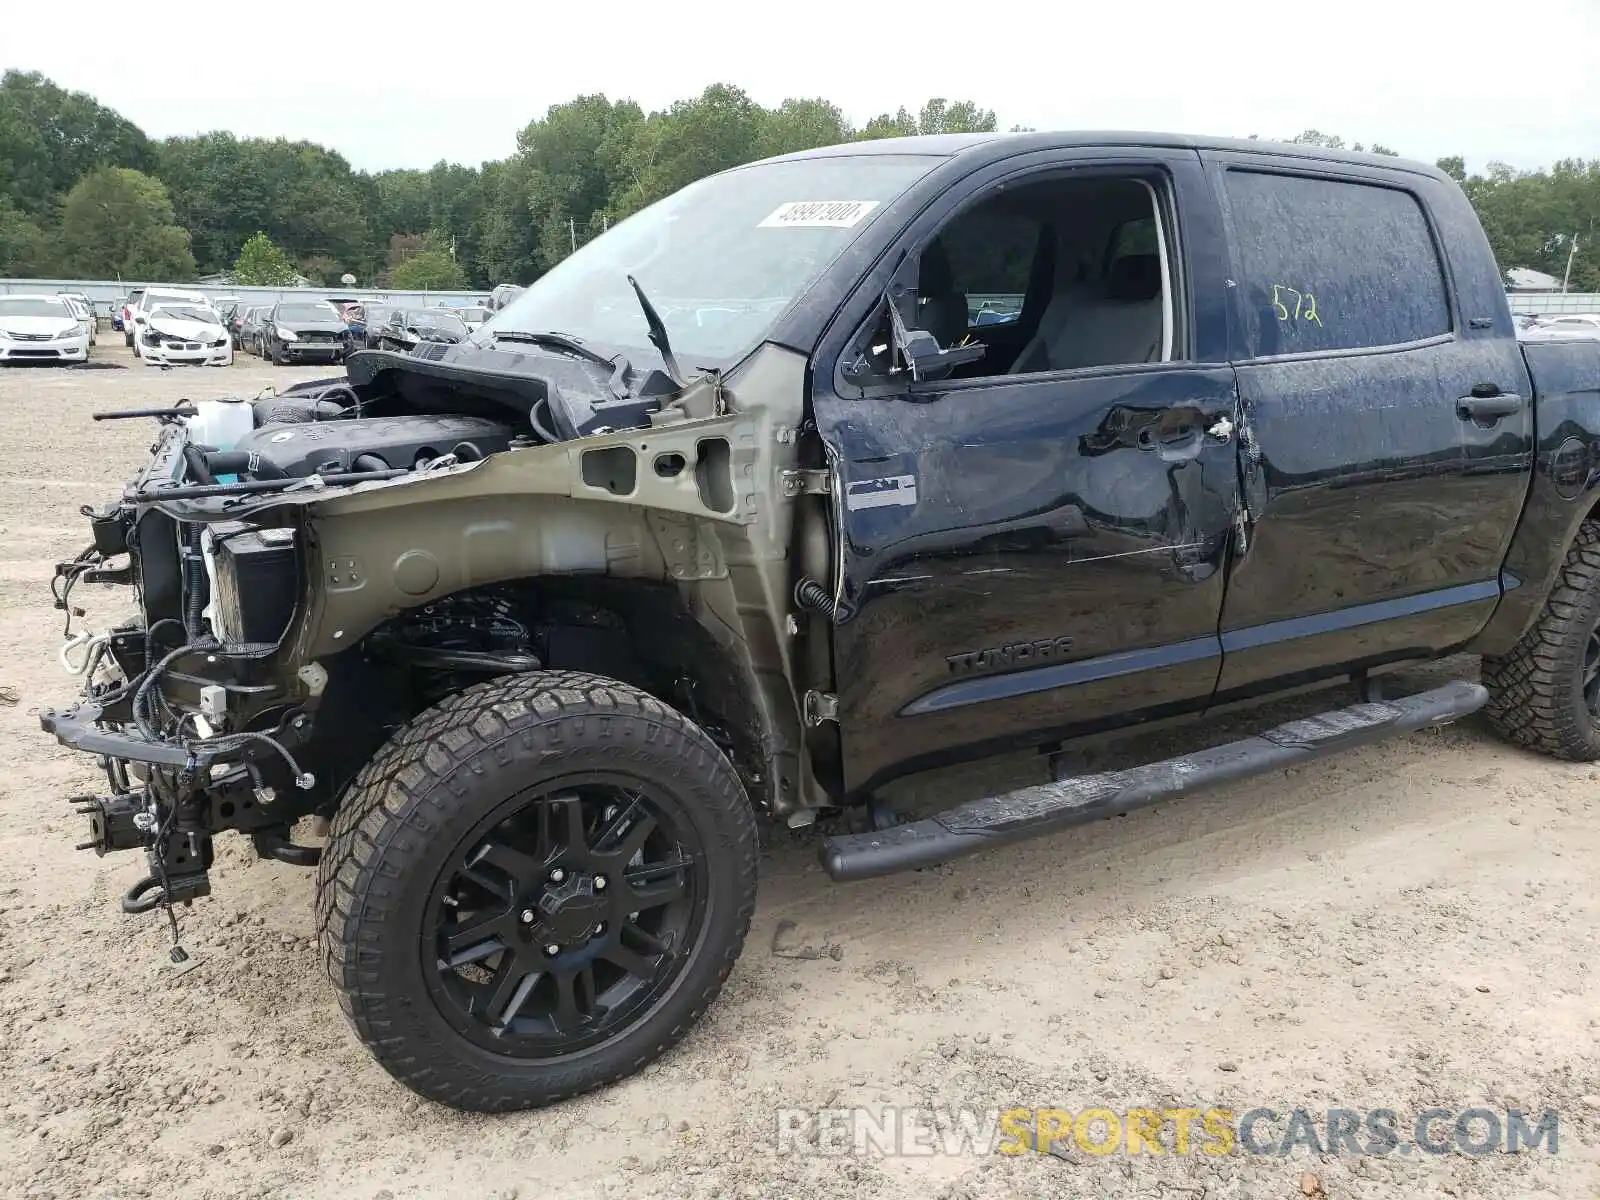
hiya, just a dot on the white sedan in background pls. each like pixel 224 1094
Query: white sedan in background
pixel 83 311
pixel 41 329
pixel 472 315
pixel 184 332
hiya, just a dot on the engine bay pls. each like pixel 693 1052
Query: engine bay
pixel 345 444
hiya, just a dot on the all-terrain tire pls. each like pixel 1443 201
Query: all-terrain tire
pixel 414 804
pixel 1536 692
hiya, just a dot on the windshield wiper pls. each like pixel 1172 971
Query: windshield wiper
pixel 658 332
pixel 556 341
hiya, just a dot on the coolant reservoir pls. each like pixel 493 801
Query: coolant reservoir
pixel 220 423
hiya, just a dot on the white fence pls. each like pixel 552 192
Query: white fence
pixel 107 292
pixel 1546 304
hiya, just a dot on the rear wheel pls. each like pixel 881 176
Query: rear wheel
pixel 535 889
pixel 1545 694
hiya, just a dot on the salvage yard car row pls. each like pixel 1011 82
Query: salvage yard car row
pixel 170 326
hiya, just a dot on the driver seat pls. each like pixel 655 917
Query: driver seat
pixel 1117 320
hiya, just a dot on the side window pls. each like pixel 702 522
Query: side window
pixel 1064 274
pixel 1331 265
pixel 990 252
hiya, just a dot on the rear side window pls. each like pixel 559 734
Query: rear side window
pixel 1329 265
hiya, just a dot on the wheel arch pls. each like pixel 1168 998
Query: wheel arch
pixel 1546 531
pixel 669 641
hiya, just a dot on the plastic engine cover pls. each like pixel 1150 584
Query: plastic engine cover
pixel 401 442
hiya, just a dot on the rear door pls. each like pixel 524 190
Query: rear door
pixel 1387 432
pixel 1035 550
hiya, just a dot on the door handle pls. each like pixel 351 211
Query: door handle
pixel 1488 408
pixel 1185 440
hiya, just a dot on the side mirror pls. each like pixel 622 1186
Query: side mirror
pixel 919 352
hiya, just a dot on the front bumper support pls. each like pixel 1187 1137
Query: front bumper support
pixel 76 728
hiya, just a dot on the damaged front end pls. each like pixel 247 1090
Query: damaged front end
pixel 314 569
pixel 189 707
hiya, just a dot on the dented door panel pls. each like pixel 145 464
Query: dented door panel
pixel 1024 557
pixel 1380 518
pixel 1381 491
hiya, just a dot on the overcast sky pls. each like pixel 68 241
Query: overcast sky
pixel 398 83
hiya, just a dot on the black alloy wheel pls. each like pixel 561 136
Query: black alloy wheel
pixel 535 888
pixel 567 915
pixel 1591 672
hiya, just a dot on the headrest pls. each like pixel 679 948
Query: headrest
pixel 934 275
pixel 1134 277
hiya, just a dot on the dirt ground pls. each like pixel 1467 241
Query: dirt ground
pixel 1408 925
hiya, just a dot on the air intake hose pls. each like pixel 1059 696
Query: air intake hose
pixel 243 462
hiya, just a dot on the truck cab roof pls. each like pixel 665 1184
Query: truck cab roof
pixel 987 147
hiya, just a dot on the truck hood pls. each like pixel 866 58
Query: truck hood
pixel 581 397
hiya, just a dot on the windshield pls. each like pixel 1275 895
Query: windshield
pixel 31 306
pixel 720 260
pixel 307 312
pixel 186 312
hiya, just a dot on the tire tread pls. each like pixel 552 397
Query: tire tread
pixel 1530 688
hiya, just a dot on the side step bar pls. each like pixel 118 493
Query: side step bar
pixel 1044 808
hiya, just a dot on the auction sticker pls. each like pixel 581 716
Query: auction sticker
pixel 818 214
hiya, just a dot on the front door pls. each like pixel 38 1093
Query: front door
pixel 1035 547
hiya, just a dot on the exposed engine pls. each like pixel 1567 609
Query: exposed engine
pixel 359 444
pixel 294 437
pixel 198 727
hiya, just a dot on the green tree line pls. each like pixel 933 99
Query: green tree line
pixel 84 192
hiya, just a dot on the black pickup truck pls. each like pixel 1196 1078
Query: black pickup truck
pixel 822 471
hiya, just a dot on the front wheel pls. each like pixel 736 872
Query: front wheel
pixel 535 889
pixel 1545 694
